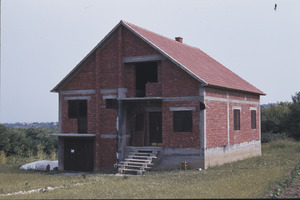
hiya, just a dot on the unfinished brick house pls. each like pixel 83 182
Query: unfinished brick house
pixel 138 94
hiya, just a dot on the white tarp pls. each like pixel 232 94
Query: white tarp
pixel 41 165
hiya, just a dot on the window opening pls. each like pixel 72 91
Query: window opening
pixel 182 121
pixel 77 109
pixel 144 72
pixel 111 103
pixel 253 119
pixel 236 119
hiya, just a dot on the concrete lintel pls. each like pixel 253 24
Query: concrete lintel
pixel 209 98
pixel 110 97
pixel 109 136
pixel 253 108
pixel 236 108
pixel 182 108
pixel 188 98
pixel 148 58
pixel 73 134
pixel 77 98
pixel 108 91
pixel 71 92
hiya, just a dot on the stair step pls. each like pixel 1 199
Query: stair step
pixel 138 160
pixel 138 171
pixel 135 163
pixel 134 166
pixel 146 157
pixel 142 154
pixel 145 151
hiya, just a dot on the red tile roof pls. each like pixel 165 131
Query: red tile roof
pixel 194 61
pixel 191 59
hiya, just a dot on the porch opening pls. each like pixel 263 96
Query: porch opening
pixel 144 72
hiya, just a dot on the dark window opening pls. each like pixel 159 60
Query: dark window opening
pixel 144 72
pixel 202 106
pixel 236 119
pixel 111 103
pixel 72 109
pixel 77 108
pixel 182 121
pixel 253 119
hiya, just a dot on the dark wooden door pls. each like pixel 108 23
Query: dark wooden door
pixel 78 154
pixel 155 128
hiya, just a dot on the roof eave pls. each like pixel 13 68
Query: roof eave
pixel 75 70
pixel 237 90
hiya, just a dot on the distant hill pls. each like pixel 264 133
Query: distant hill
pixel 49 125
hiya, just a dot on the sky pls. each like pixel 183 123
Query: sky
pixel 43 40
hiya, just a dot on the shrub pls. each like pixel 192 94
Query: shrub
pixel 2 157
pixel 269 137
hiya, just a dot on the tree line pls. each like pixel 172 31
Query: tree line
pixel 25 142
pixel 281 120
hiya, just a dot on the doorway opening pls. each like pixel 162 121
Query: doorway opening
pixel 155 126
pixel 144 72
pixel 78 154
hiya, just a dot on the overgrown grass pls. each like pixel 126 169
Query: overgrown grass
pixel 250 178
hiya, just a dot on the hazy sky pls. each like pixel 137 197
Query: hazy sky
pixel 42 40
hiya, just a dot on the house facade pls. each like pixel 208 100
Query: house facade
pixel 137 88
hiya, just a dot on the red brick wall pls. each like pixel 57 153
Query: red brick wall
pixel 216 124
pixel 173 139
pixel 217 117
pixel 85 79
pixel 70 125
pixel 176 82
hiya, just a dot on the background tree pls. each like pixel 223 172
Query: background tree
pixel 293 120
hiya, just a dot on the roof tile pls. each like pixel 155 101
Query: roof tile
pixel 201 65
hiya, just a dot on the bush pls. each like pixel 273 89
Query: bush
pixel 2 157
pixel 28 142
pixel 269 137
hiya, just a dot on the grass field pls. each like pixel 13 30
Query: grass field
pixel 250 178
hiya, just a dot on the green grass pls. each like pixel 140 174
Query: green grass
pixel 250 178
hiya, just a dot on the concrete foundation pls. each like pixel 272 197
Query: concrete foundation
pixel 229 153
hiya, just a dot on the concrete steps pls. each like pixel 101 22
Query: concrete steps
pixel 138 160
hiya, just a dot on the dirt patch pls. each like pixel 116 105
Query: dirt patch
pixel 292 191
pixel 289 188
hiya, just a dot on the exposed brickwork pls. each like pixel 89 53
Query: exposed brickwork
pixel 105 71
pixel 84 80
pixel 173 139
pixel 219 117
pixel 176 82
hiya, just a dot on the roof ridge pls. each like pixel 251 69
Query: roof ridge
pixel 175 42
pixel 128 23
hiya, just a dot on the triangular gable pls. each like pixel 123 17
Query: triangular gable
pixel 192 60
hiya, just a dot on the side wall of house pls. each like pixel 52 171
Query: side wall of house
pixel 181 92
pixel 223 143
